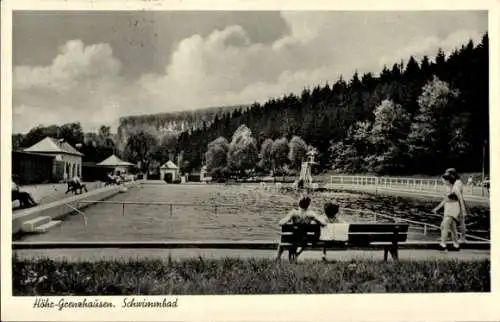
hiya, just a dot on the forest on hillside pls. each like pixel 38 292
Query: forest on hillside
pixel 414 117
pixel 172 123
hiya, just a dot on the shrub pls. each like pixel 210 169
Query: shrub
pixel 245 276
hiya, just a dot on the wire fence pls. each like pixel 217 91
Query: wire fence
pixel 414 184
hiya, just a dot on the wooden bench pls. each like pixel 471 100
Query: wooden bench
pixel 75 187
pixel 306 236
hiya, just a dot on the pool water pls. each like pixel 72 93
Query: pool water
pixel 228 212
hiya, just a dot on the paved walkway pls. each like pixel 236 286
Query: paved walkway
pixel 47 193
pixel 178 254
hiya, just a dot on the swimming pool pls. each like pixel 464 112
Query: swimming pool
pixel 226 212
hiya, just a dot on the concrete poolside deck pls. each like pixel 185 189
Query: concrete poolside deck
pixel 61 207
pixel 50 192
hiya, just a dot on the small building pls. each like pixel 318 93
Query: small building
pixel 32 168
pixel 169 172
pixel 117 165
pixel 64 154
pixel 204 176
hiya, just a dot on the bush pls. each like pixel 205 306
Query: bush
pixel 245 276
pixel 220 174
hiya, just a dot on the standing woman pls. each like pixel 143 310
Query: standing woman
pixel 452 209
pixel 459 190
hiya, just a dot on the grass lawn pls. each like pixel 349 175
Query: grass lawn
pixel 245 276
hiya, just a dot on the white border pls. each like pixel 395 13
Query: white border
pixel 393 307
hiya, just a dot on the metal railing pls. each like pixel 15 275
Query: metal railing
pixel 426 227
pixel 401 182
pixel 170 205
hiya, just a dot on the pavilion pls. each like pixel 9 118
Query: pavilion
pixel 118 165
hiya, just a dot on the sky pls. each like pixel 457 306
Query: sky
pixel 94 67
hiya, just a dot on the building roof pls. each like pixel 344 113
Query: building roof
pixel 114 161
pixel 52 145
pixel 169 165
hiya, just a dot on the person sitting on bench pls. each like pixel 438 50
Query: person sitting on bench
pixel 25 199
pixel 328 230
pixel 301 216
pixel 78 183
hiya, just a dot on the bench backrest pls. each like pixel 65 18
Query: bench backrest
pixel 359 234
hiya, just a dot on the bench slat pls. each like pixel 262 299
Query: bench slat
pixel 355 228
pixel 378 227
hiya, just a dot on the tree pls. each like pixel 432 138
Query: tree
pixel 358 145
pixel 105 144
pixel 412 70
pixel 297 152
pixel 165 148
pixel 343 157
pixel 279 152
pixel 266 157
pixel 431 137
pixel 389 131
pixel 139 147
pixel 216 155
pixel 38 133
pixel 17 140
pixel 71 133
pixel 242 153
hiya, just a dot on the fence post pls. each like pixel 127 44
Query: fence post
pixel 171 210
pixel 425 229
pixel 123 209
pixel 375 217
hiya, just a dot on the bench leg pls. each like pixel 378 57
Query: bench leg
pixel 281 249
pixel 292 254
pixel 393 250
pixel 394 253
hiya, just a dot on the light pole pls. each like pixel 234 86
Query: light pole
pixel 484 157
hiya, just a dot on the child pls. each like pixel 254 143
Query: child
pixel 452 210
pixel 459 190
pixel 300 215
pixel 331 211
